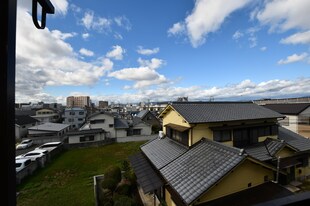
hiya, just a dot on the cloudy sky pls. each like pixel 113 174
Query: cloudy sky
pixel 139 50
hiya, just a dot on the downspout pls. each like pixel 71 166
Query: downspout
pixel 278 169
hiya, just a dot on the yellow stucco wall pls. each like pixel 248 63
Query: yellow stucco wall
pixel 168 199
pixel 199 131
pixel 263 138
pixel 247 172
pixel 284 152
pixel 174 118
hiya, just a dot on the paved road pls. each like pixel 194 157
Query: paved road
pixel 136 138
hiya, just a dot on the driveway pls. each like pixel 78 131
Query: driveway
pixel 136 138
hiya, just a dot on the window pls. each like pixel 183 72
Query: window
pixel 80 119
pixel 137 132
pixel 87 138
pixel 81 113
pixel 23 126
pixel 222 135
pixel 111 125
pixel 249 136
pixel 96 121
pixel 181 137
pixel 72 113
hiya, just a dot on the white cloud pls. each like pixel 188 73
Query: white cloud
pixel 44 58
pixel 253 41
pixel 237 35
pixel 116 52
pixel 206 17
pixel 123 22
pixel 90 21
pixel 263 48
pixel 144 75
pixel 177 28
pixel 63 36
pixel 285 14
pixel 293 58
pixel 153 64
pixel 118 36
pixel 143 51
pixel 298 38
pixel 245 90
pixel 61 6
pixel 86 52
pixel 85 35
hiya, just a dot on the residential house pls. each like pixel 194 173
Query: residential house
pixel 139 127
pixel 297 116
pixel 149 117
pixel 82 136
pixel 47 115
pixel 48 132
pixel 75 117
pixel 22 123
pixel 209 153
pixel 113 127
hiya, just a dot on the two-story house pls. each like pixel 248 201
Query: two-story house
pixel 208 153
pixel 297 116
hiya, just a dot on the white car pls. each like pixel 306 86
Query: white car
pixel 33 155
pixel 49 146
pixel 22 163
pixel 25 144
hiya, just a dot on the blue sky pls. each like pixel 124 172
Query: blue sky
pixel 140 50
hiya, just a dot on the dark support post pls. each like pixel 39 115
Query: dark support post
pixel 7 100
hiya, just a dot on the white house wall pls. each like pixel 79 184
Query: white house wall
pixel 145 129
pixel 293 123
pixel 76 138
pixel 105 125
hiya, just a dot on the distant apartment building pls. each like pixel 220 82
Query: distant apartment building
pixel 74 117
pixel 78 101
pixel 103 104
pixel 47 115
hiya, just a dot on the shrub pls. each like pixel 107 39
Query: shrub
pixel 124 189
pixel 125 166
pixel 109 183
pixel 113 172
pixel 122 200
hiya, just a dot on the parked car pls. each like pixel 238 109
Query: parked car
pixel 49 146
pixel 33 155
pixel 25 144
pixel 22 163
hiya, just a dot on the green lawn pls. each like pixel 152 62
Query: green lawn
pixel 68 179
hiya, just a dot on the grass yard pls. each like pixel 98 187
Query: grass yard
pixel 68 179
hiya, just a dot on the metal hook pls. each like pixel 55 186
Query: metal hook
pixel 47 7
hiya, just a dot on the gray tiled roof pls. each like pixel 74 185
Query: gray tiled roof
pixel 200 112
pixel 191 174
pixel 265 150
pixel 86 131
pixel 162 151
pixel 295 140
pixel 120 124
pixel 25 119
pixel 291 108
pixel 142 113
